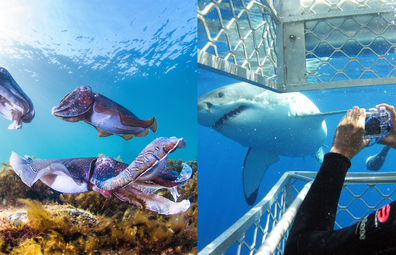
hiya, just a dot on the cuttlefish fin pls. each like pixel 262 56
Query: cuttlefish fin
pixel 142 134
pixel 256 164
pixel 132 122
pixel 154 126
pixel 128 136
pixel 102 133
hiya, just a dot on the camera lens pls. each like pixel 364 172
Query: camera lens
pixel 373 127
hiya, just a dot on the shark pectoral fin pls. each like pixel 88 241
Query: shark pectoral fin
pixel 319 155
pixel 256 163
pixel 375 162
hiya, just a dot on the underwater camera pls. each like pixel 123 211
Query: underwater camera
pixel 378 123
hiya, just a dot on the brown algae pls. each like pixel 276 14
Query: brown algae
pixel 42 221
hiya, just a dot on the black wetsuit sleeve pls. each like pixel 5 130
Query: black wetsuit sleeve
pixel 318 210
pixel 312 232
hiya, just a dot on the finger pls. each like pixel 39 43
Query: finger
pixel 342 120
pixel 355 113
pixel 363 112
pixel 366 142
pixel 362 117
pixel 390 108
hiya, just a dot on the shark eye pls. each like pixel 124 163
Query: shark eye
pixel 220 94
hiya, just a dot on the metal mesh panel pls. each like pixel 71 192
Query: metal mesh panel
pixel 318 6
pixel 238 32
pixel 247 234
pixel 241 34
pixel 364 199
pixel 365 48
pixel 299 45
pixel 252 239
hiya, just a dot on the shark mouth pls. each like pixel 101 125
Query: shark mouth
pixel 228 117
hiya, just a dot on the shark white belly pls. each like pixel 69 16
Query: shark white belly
pixel 264 122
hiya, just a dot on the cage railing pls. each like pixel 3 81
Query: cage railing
pixel 267 224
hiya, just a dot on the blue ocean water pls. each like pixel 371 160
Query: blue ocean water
pixel 140 54
pixel 221 199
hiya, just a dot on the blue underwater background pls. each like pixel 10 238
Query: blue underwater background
pixel 140 54
pixel 221 199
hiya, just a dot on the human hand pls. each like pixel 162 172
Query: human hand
pixel 390 140
pixel 348 138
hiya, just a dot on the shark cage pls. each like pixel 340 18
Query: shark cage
pixel 286 46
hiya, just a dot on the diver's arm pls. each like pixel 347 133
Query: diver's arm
pixel 348 138
pixel 319 208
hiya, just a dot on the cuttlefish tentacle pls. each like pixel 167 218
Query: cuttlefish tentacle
pixel 147 166
pixel 164 180
pixel 107 116
pixel 150 201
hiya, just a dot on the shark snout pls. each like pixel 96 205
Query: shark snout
pixel 204 105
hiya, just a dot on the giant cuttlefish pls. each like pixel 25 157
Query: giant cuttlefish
pixel 15 105
pixel 135 183
pixel 108 117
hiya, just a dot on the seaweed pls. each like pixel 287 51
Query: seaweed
pixel 89 223
pixel 12 188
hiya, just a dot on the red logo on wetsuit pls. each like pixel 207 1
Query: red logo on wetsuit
pixel 383 213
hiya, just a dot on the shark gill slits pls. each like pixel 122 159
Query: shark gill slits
pixel 228 117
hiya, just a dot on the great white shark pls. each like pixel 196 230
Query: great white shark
pixel 266 123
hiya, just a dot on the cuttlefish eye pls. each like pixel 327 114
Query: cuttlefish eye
pixel 84 88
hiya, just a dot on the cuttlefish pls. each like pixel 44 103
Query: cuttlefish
pixel 108 117
pixel 135 183
pixel 15 105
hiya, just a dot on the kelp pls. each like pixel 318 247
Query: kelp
pixel 89 223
